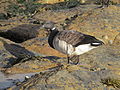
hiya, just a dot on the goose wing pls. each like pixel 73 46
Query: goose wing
pixel 71 37
pixel 77 38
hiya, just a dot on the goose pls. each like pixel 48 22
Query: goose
pixel 70 42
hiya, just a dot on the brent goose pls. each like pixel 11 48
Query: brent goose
pixel 70 42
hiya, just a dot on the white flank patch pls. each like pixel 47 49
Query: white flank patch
pixel 96 43
pixel 83 48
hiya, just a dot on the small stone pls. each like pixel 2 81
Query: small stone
pixel 110 41
pixel 105 85
pixel 117 39
pixel 105 37
pixel 82 1
pixel 27 77
pixel 98 69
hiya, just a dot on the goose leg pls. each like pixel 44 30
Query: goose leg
pixel 68 58
pixel 74 59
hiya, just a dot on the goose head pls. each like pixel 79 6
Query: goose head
pixel 49 26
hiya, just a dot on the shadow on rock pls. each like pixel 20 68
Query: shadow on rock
pixel 53 58
pixel 17 51
pixel 21 33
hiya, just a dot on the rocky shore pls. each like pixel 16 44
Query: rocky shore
pixel 24 49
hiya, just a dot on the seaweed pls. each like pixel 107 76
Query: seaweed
pixel 23 7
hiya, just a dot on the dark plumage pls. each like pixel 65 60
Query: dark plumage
pixel 76 38
pixel 70 42
pixel 51 37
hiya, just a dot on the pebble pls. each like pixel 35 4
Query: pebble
pixel 105 37
pixel 27 77
pixel 110 41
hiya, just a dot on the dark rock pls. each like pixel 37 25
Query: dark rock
pixel 3 16
pixel 12 53
pixel 21 33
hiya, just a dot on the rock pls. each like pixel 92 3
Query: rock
pixel 81 1
pixel 27 77
pixel 21 33
pixel 97 65
pixel 11 53
pixel 117 40
pixel 33 64
pixel 101 21
pixel 50 1
pixel 116 1
pixel 3 16
pixel 65 80
pixel 105 37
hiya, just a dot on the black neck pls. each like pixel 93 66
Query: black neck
pixel 53 33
